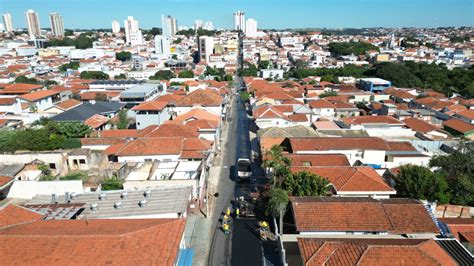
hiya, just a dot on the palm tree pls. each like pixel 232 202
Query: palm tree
pixel 277 205
pixel 277 164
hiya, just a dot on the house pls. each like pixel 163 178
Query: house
pixel 459 128
pixel 140 93
pixel 63 106
pixel 269 116
pixel 329 216
pixel 349 181
pixel 20 89
pixel 379 251
pixel 151 113
pixel 374 84
pixel 209 99
pixel 128 239
pixel 41 100
pixel 323 108
pixel 467 116
pixel 10 105
pixel 86 110
pixel 462 229
pixel 425 130
pixel 311 160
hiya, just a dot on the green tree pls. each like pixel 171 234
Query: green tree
pixel 112 183
pixel 177 41
pixel 94 75
pixel 305 184
pixel 186 74
pixel 24 79
pixel 123 56
pixel 263 64
pixel 73 129
pixel 458 169
pixel 71 65
pixel 122 122
pixel 348 48
pixel 121 76
pixel 245 96
pixel 249 70
pixel 76 175
pixel 163 75
pixel 419 182
pixel 277 164
pixel 327 94
pixel 278 204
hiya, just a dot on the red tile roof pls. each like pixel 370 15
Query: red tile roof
pixel 7 101
pixel 350 179
pixel 317 251
pixel 268 112
pixel 318 159
pixel 207 97
pixel 458 125
pixel 93 242
pixel 119 133
pixel 38 95
pixel 328 143
pixel 321 103
pixel 150 106
pixel 14 215
pixel 467 114
pixel 96 121
pixel 460 226
pixel 68 104
pixel 152 146
pixel 396 216
pixel 379 119
pixel 4 179
pixel 197 114
pixel 20 88
pixel 169 130
pixel 419 125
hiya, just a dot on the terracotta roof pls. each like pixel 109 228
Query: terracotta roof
pixel 396 216
pixel 468 114
pixel 14 215
pixel 101 141
pixel 207 97
pixel 460 226
pixel 298 118
pixel 268 112
pixel 400 146
pixel 317 251
pixel 169 98
pixel 169 130
pixel 4 179
pixel 458 125
pixel 350 179
pixel 202 124
pixel 150 106
pixel 93 242
pixel 20 88
pixel 419 125
pixel 379 119
pixel 68 104
pixel 7 101
pixel 119 133
pixel 321 103
pixel 328 143
pixel 197 114
pixel 318 159
pixel 152 146
pixel 96 121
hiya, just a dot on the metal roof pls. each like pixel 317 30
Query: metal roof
pixel 87 110
pixel 139 90
pixel 457 251
pixel 117 82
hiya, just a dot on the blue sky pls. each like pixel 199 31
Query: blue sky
pixel 269 13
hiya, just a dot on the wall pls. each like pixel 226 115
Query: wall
pixel 29 189
pixel 58 158
pixel 172 157
pixel 145 120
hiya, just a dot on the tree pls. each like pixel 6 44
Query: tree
pixel 24 79
pixel 277 164
pixel 419 182
pixel 123 56
pixel 70 65
pixel 245 96
pixel 277 205
pixel 305 184
pixel 186 74
pixel 263 64
pixel 327 94
pixel 458 169
pixel 122 122
pixel 73 129
pixel 249 70
pixel 112 183
pixel 177 41
pixel 121 76
pixel 163 75
pixel 348 48
pixel 76 175
pixel 94 75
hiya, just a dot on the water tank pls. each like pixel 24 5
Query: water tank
pixel 102 196
pixel 142 203
pixel 147 193
pixel 124 195
pixel 118 205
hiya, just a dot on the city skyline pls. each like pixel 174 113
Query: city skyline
pixel 294 14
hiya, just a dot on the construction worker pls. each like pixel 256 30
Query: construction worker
pixel 237 212
pixel 264 225
pixel 225 218
pixel 225 227
pixel 227 212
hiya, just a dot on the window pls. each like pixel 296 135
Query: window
pixel 52 166
pixel 82 161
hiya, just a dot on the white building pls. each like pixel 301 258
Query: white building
pixel 208 25
pixel 57 27
pixel 198 24
pixel 169 25
pixel 115 27
pixel 133 33
pixel 7 21
pixel 32 21
pixel 251 28
pixel 206 47
pixel 239 21
pixel 162 45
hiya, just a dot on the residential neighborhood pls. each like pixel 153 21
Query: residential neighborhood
pixel 236 145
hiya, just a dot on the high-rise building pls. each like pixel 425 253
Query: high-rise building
pixel 57 27
pixel 133 34
pixel 2 27
pixel 169 25
pixel 198 24
pixel 7 20
pixel 251 28
pixel 239 21
pixel 206 47
pixel 115 26
pixel 208 25
pixel 162 45
pixel 32 21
